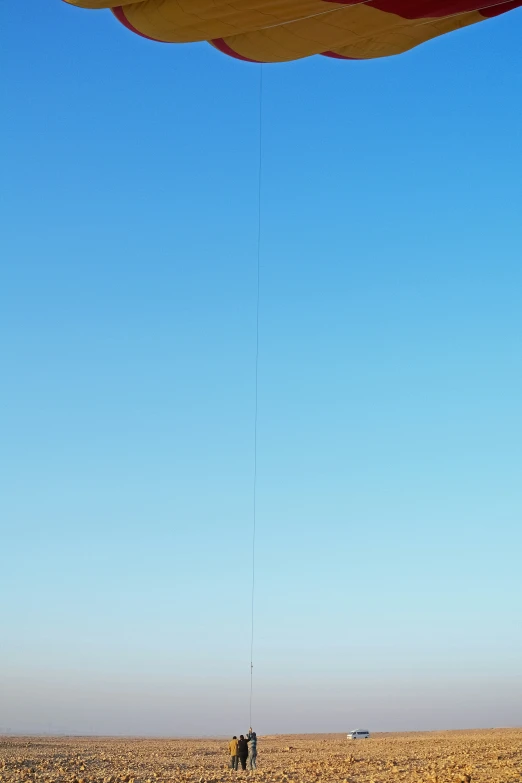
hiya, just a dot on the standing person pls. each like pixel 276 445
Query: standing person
pixel 242 751
pixel 232 747
pixel 252 748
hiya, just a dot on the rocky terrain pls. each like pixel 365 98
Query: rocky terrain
pixel 493 756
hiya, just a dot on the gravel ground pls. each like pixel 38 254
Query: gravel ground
pixel 441 757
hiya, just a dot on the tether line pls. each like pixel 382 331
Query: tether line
pixel 256 385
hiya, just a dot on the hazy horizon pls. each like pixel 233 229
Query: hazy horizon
pixel 99 712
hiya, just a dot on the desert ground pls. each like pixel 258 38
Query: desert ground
pixel 489 756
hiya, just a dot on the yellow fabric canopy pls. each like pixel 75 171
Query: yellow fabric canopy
pixel 281 30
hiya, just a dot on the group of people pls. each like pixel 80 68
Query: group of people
pixel 243 750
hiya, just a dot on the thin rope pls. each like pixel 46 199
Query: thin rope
pixel 461 13
pixel 314 16
pixel 256 385
pixel 365 2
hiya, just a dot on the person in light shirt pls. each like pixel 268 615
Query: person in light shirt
pixel 252 748
pixel 232 747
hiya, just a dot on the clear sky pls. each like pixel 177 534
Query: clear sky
pixel 390 384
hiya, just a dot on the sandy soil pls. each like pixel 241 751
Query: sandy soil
pixel 443 757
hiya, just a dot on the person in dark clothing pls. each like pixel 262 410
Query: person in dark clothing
pixel 242 751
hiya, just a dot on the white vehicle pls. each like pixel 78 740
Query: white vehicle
pixel 358 734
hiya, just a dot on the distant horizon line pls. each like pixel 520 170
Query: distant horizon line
pixel 272 735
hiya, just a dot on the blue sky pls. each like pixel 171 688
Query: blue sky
pixel 390 384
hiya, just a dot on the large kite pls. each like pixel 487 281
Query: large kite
pixel 280 30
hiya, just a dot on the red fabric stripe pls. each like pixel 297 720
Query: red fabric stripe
pixel 222 45
pixel 120 16
pixel 340 56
